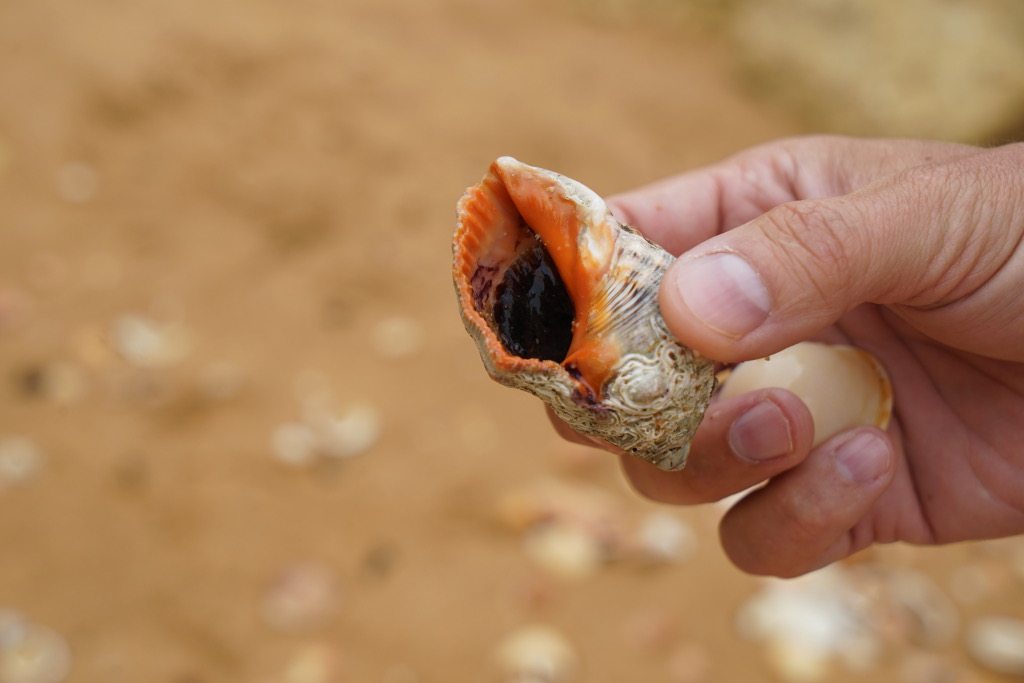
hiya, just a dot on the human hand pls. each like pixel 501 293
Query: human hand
pixel 911 250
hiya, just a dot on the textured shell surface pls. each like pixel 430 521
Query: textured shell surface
pixel 562 301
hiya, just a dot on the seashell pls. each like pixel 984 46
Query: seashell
pixel 536 654
pixel 843 386
pixel 562 302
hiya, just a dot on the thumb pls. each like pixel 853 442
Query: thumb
pixel 919 240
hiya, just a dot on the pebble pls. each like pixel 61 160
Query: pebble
pixel 294 443
pixel 564 550
pixel 146 343
pixel 303 597
pixel 997 643
pixel 398 337
pixel 31 653
pixel 536 654
pixel 77 182
pixel 666 538
pixel 353 432
pixel 20 461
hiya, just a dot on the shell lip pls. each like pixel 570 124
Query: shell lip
pixel 464 272
pixel 479 213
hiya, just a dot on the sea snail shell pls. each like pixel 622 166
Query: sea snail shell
pixel 562 301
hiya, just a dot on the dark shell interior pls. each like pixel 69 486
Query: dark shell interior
pixel 533 313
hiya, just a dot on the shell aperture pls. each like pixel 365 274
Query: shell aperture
pixel 532 310
pixel 562 302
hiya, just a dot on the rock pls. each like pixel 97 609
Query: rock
pixel 997 643
pixel 536 654
pixel 20 461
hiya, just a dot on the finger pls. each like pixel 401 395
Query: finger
pixel 680 212
pixel 804 519
pixel 924 238
pixel 567 432
pixel 741 442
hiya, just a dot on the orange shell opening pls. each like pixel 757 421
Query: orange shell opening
pixel 514 199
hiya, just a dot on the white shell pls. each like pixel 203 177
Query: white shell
pixel 843 386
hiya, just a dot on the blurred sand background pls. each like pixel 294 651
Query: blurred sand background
pixel 243 435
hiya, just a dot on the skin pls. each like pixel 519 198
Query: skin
pixel 911 250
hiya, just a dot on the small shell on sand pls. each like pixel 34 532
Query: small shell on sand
pixel 536 654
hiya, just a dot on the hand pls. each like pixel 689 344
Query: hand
pixel 911 250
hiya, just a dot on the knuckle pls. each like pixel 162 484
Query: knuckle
pixel 815 238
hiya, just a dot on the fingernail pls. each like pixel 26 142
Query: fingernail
pixel 761 433
pixel 724 292
pixel 863 458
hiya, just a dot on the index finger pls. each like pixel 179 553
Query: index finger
pixel 680 212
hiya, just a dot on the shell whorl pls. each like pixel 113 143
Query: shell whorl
pixel 625 379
